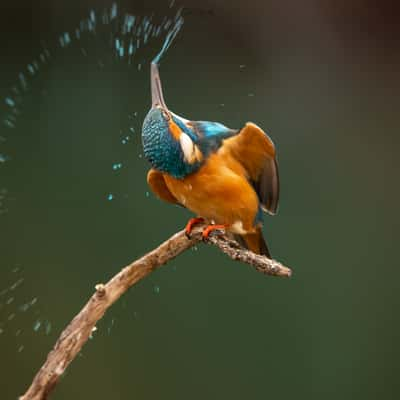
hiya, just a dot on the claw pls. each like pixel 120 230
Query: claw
pixel 213 229
pixel 190 225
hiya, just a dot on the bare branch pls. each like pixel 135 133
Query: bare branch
pixel 80 328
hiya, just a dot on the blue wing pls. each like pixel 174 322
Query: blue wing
pixel 207 135
pixel 210 135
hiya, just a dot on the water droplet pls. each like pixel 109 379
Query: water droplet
pixel 251 94
pixel 10 300
pixel 105 18
pixel 24 307
pixel 92 333
pixel 47 328
pixel 20 348
pixel 117 166
pixel 22 80
pixel 167 25
pixel 47 52
pixel 132 129
pixel 91 26
pixel 16 284
pixel 10 102
pixel 67 38
pixel 114 11
pixel 125 140
pixel 147 194
pixel 241 66
pixel 31 69
pixel 110 197
pixel 156 289
pixel 9 124
pixel 3 158
pixel 128 23
pixel 111 326
pixel 36 325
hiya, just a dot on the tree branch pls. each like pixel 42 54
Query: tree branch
pixel 81 327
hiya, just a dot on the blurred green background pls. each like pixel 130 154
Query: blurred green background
pixel 322 79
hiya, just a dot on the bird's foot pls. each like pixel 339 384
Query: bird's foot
pixel 190 225
pixel 213 230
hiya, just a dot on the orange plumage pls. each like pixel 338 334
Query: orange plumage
pixel 221 190
pixel 223 175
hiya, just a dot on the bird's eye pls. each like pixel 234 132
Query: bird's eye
pixel 166 115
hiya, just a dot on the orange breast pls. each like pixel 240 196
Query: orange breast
pixel 219 191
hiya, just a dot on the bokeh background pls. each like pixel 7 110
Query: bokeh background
pixel 322 78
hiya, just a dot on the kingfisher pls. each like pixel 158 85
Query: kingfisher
pixel 226 177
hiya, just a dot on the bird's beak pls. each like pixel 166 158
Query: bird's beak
pixel 157 98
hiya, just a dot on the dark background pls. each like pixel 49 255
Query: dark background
pixel 322 77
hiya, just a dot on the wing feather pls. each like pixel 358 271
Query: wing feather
pixel 255 151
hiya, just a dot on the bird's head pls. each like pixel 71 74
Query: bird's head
pixel 168 140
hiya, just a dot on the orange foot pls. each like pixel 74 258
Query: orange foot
pixel 190 225
pixel 215 229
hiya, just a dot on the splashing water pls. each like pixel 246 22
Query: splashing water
pixel 156 289
pixel 169 39
pixel 13 311
pixel 128 33
pixel 117 166
pixel 125 35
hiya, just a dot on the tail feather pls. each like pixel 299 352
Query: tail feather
pixel 254 242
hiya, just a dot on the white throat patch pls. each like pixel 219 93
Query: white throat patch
pixel 191 152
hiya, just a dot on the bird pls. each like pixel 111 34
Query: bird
pixel 226 177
